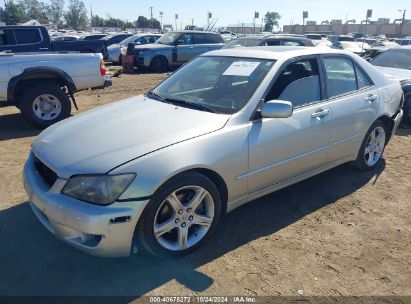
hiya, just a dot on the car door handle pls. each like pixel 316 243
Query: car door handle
pixel 191 47
pixel 371 98
pixel 43 49
pixel 320 113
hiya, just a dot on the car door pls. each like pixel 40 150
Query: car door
pixel 201 44
pixel 280 149
pixel 354 104
pixel 185 48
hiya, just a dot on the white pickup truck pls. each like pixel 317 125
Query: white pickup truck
pixel 41 85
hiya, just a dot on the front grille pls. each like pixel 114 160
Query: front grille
pixel 48 175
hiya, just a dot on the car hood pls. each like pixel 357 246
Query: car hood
pixel 399 74
pixel 114 47
pixel 101 139
pixel 151 46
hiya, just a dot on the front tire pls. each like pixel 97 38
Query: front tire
pixel 180 216
pixel 372 147
pixel 44 104
pixel 159 64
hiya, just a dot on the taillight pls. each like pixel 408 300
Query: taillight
pixel 103 70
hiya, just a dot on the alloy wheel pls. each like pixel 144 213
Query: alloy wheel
pixel 183 218
pixel 375 146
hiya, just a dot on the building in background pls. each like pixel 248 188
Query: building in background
pixel 244 28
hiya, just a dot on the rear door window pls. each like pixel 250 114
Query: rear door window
pixel 200 39
pixel 27 36
pixel 339 75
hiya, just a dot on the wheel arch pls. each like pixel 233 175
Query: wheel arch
pixel 388 122
pixel 18 83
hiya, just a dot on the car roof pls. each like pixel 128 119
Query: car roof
pixel 194 32
pixel 274 52
pixel 273 36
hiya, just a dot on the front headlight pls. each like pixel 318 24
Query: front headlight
pixel 98 189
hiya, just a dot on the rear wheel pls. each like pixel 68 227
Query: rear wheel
pixel 180 216
pixel 44 104
pixel 372 147
pixel 159 64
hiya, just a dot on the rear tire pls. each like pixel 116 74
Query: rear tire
pixel 372 147
pixel 44 104
pixel 159 64
pixel 180 216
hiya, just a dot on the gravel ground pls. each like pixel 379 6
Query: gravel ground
pixel 339 233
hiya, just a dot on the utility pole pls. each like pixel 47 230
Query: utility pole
pixel 151 17
pixel 91 18
pixel 161 20
pixel 176 17
pixel 403 20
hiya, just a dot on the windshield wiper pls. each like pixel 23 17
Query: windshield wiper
pixel 189 104
pixel 154 95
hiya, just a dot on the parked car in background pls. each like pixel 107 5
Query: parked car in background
pixel 396 63
pixel 64 38
pixel 176 48
pixel 357 35
pixel 17 39
pixel 227 35
pixel 227 128
pixel 378 48
pixel 116 50
pixel 117 38
pixel 269 40
pixel 355 47
pixel 338 38
pixel 403 41
pixel 92 37
pixel 315 38
pixel 41 85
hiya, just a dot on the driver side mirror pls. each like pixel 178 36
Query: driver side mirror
pixel 277 109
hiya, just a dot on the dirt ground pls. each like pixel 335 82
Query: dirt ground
pixel 340 233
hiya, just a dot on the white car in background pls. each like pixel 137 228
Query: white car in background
pixel 115 50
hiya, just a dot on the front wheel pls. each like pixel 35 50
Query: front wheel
pixel 180 216
pixel 159 64
pixel 372 147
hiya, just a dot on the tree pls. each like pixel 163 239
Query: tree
pixel 142 22
pixel 56 11
pixel 76 15
pixel 34 10
pixel 12 13
pixel 271 20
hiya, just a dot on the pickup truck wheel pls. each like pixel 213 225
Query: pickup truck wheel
pixel 44 104
pixel 159 64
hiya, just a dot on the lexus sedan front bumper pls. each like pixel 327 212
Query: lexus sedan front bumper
pixel 98 230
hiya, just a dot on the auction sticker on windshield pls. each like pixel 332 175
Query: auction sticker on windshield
pixel 241 68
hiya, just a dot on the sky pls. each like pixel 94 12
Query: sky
pixel 234 11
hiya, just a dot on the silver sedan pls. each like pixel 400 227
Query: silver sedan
pixel 157 171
